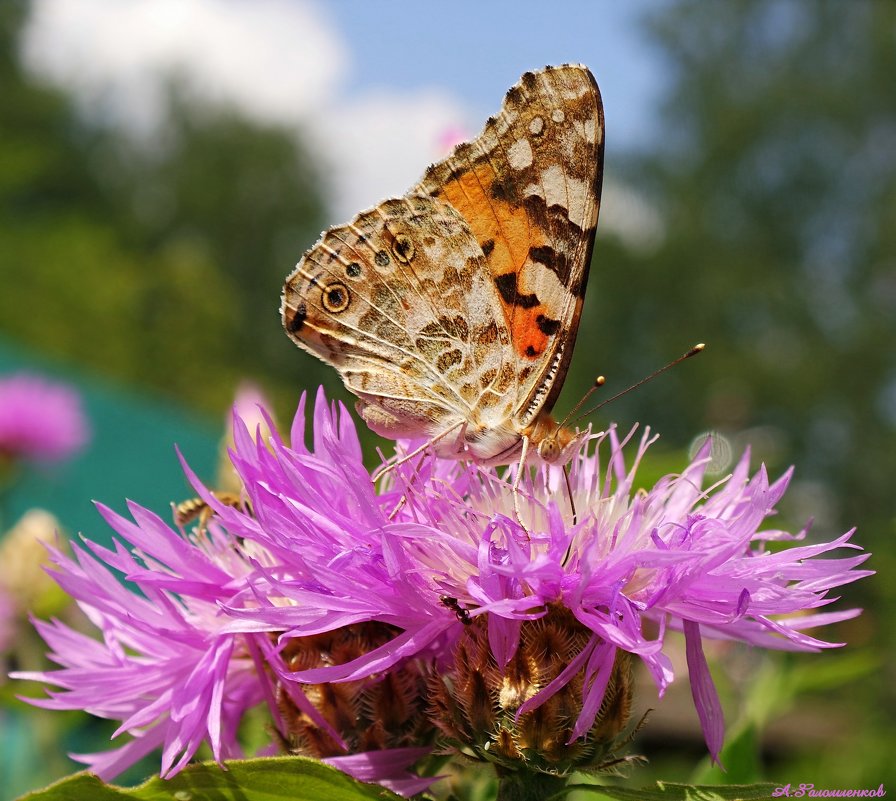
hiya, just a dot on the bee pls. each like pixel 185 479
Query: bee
pixel 192 509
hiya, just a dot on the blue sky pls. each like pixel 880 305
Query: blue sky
pixel 372 86
pixel 479 49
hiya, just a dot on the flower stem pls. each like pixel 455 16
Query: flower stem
pixel 526 786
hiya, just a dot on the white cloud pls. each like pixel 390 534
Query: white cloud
pixel 279 61
pixel 276 59
pixel 385 141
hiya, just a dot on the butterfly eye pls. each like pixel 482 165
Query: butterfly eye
pixel 335 298
pixel 549 450
pixel 403 248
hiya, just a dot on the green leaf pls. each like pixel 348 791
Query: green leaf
pixel 268 779
pixel 667 791
pixel 740 756
pixel 835 670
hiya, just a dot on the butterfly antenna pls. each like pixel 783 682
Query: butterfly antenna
pixel 598 383
pixel 692 352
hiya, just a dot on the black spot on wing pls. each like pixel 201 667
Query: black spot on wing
pixel 298 319
pixel 556 262
pixel 549 217
pixel 511 295
pixel 546 325
pixel 506 189
pixel 457 173
pixel 500 191
pixel 488 246
pixel 381 258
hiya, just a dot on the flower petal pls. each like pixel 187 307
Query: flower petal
pixel 706 699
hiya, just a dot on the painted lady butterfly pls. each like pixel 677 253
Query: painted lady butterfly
pixel 452 312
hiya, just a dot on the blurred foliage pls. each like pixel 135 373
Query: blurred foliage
pixel 775 176
pixel 159 259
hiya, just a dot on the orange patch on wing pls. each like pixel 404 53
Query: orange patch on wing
pixel 529 341
pixel 513 234
pixel 507 226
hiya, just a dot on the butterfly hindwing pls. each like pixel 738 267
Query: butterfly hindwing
pixel 400 301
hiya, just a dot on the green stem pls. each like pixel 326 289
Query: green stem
pixel 525 786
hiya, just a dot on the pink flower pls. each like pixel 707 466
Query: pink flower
pixel 165 667
pixel 450 137
pixel 40 420
pixel 687 559
pixel 170 664
pixel 317 548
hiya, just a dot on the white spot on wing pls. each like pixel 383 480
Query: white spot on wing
pixel 533 190
pixel 591 130
pixel 563 190
pixel 519 154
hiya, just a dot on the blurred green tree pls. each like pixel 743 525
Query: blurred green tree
pixel 159 260
pixel 775 179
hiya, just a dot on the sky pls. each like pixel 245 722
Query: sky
pixel 381 89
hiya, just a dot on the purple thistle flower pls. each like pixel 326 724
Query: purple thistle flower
pixel 171 666
pixel 688 559
pixel 39 420
pixel 316 549
pixel 165 667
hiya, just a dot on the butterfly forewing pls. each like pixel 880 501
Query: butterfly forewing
pixel 529 187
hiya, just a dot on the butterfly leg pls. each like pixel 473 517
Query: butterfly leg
pixel 408 456
pixel 515 487
pixel 408 488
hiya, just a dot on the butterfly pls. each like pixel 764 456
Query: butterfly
pixel 451 312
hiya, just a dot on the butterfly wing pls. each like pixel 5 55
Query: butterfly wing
pixel 400 301
pixel 529 188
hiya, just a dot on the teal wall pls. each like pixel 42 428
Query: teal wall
pixel 130 454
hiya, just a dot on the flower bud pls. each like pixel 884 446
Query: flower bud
pixel 476 705
pixel 374 714
pixel 22 560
